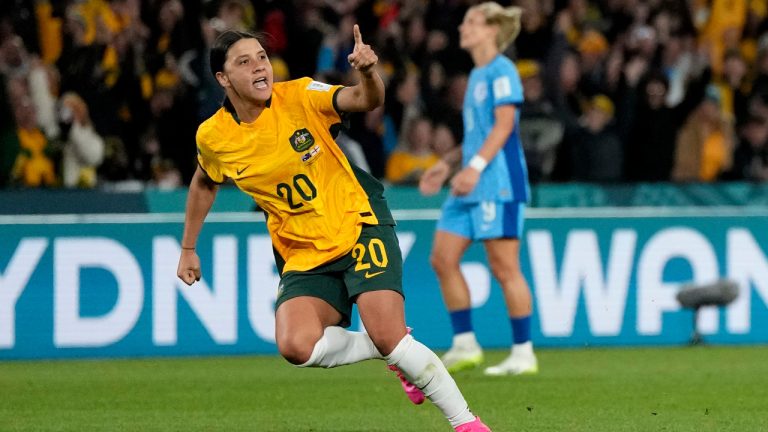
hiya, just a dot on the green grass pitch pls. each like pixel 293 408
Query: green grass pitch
pixel 647 389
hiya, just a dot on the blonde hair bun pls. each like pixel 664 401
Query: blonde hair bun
pixel 507 18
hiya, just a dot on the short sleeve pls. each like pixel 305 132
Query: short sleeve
pixel 506 85
pixel 207 159
pixel 322 97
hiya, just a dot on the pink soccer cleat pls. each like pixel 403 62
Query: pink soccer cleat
pixel 473 426
pixel 414 393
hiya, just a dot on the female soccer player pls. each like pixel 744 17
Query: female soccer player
pixel 489 193
pixel 333 235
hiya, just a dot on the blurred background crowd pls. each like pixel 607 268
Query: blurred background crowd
pixel 109 93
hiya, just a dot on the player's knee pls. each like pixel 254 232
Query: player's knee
pixel 505 272
pixel 441 262
pixel 296 348
pixel 504 275
pixel 387 342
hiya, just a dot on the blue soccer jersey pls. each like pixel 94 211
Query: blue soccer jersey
pixel 506 176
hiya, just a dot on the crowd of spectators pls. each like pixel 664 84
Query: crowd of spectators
pixel 109 93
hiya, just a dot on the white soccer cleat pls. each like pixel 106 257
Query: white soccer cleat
pixel 464 354
pixel 515 364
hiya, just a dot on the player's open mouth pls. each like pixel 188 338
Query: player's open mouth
pixel 260 83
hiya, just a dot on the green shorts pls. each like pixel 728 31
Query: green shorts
pixel 374 263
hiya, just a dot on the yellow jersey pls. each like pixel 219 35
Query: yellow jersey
pixel 315 201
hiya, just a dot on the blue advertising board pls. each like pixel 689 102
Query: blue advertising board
pixel 105 285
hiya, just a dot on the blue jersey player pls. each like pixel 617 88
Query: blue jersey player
pixel 488 194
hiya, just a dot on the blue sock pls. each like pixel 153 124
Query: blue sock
pixel 521 329
pixel 461 320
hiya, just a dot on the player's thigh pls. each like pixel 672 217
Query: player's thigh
pixel 503 247
pixel 311 301
pixel 455 219
pixel 305 315
pixel 374 280
pixel 453 234
pixel 447 249
pixel 376 262
pixel 503 256
pixel 383 316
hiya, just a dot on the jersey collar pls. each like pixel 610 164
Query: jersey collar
pixel 231 109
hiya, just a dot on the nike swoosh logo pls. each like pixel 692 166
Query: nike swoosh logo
pixel 370 275
pixel 240 171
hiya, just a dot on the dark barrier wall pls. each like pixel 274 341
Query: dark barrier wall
pixel 71 202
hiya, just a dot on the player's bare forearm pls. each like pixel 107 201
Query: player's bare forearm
pixel 202 192
pixel 367 95
pixel 495 141
pixel 373 89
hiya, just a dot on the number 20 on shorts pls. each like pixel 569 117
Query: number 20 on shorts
pixel 375 254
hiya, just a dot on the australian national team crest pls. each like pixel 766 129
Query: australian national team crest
pixel 302 140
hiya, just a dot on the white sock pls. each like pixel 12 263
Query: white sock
pixel 466 339
pixel 424 370
pixel 340 347
pixel 525 349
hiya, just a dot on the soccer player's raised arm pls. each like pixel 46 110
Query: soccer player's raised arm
pixel 369 92
pixel 202 192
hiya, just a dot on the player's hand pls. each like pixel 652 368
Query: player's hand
pixel 433 178
pixel 465 181
pixel 189 267
pixel 362 58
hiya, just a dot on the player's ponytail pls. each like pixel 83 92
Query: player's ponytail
pixel 507 19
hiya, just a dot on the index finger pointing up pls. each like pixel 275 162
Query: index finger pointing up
pixel 358 36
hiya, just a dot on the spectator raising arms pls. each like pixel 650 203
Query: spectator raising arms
pixel 139 66
pixel 84 148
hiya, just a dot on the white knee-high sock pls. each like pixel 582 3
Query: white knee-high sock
pixel 425 370
pixel 340 347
